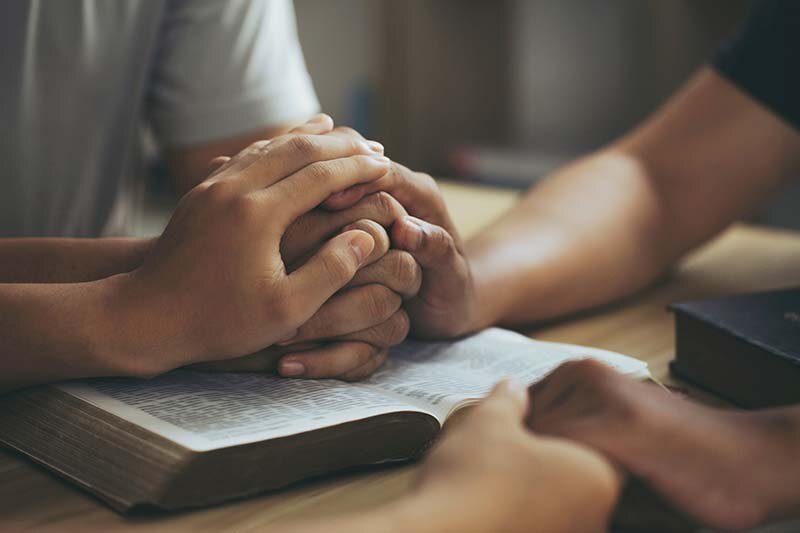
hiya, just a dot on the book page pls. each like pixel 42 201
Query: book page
pixel 441 375
pixel 204 411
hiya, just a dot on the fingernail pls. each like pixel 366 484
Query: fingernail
pixel 375 146
pixel 362 246
pixel 292 369
pixel 414 234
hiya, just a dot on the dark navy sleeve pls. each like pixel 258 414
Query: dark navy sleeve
pixel 763 57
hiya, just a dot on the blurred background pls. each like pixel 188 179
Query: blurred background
pixel 503 91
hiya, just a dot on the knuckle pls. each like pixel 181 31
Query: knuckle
pixel 245 209
pixel 378 233
pixel 398 328
pixel 443 242
pixel 337 268
pixel 428 181
pixel 374 358
pixel 348 131
pixel 324 119
pixel 324 171
pixel 215 192
pixel 201 187
pixel 305 146
pixel 384 203
pixel 381 302
pixel 430 188
pixel 256 147
pixel 405 269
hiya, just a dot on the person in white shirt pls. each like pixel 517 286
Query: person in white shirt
pixel 210 78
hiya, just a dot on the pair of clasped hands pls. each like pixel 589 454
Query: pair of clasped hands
pixel 310 254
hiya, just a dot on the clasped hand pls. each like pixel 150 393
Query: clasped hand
pixel 310 254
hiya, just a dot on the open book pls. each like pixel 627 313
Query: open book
pixel 189 438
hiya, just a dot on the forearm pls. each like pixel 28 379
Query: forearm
pixel 51 332
pixel 592 232
pixel 58 260
pixel 609 224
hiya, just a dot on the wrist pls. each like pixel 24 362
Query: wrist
pixel 127 330
pixel 491 303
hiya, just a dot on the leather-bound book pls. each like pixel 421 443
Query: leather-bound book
pixel 188 439
pixel 745 348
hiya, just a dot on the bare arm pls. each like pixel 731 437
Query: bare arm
pixel 612 222
pixel 220 248
pixel 58 260
pixel 62 260
pixel 55 331
pixel 188 166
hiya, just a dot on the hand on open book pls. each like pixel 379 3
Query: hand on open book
pixel 493 474
pixel 727 469
pixel 349 336
pixel 214 285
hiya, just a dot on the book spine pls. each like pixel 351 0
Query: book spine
pixel 731 367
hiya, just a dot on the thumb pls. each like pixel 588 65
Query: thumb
pixel 508 402
pixel 431 245
pixel 328 270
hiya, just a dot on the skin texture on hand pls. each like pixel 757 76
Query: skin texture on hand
pixel 350 335
pixel 446 304
pixel 728 469
pixel 216 276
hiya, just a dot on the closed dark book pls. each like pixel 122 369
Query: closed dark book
pixel 745 348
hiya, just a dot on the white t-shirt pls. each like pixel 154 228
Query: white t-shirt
pixel 79 76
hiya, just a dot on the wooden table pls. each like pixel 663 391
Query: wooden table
pixel 744 258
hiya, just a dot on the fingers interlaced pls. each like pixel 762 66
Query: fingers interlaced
pixel 288 177
pixel 350 311
pixel 397 270
pixel 306 233
pixel 330 269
